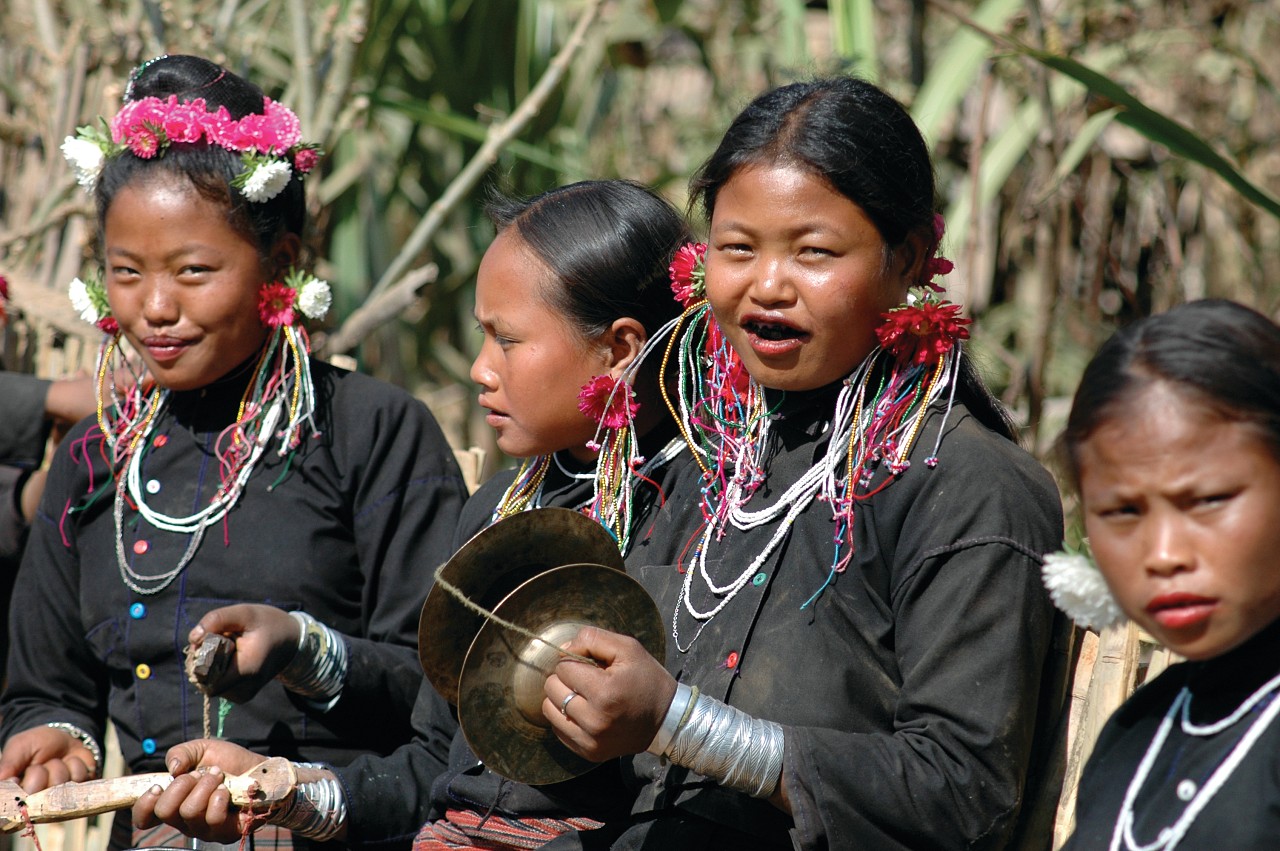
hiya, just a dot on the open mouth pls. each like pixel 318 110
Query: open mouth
pixel 773 331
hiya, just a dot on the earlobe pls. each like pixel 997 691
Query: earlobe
pixel 626 337
pixel 913 258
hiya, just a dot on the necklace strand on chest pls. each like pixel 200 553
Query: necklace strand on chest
pixel 1168 837
pixel 193 524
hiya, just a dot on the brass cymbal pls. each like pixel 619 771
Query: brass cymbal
pixel 487 568
pixel 500 691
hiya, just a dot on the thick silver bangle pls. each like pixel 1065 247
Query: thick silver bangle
pixel 319 668
pixel 677 715
pixel 85 739
pixel 730 747
pixel 318 809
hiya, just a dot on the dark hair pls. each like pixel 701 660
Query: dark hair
pixel 608 244
pixel 1224 354
pixel 865 145
pixel 210 168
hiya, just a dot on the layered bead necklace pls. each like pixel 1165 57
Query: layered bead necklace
pixel 281 389
pixel 879 411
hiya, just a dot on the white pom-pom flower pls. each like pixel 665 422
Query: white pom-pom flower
pixel 1080 591
pixel 82 301
pixel 315 298
pixel 267 180
pixel 86 158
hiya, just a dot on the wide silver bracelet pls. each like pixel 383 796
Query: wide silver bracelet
pixel 677 715
pixel 729 746
pixel 85 739
pixel 319 668
pixel 318 809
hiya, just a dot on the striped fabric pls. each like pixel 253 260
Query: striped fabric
pixel 469 829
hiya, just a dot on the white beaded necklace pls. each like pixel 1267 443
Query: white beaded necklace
pixel 824 476
pixel 1169 837
pixel 193 524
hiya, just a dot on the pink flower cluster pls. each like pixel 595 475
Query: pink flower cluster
pixel 608 401
pixel 145 126
pixel 687 273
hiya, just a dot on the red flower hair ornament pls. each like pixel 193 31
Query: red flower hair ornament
pixel 688 273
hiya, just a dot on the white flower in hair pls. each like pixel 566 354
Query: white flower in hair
pixel 267 180
pixel 81 301
pixel 314 298
pixel 86 158
pixel 1079 590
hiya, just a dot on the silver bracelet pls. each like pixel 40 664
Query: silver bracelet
pixel 319 668
pixel 730 747
pixel 677 715
pixel 318 809
pixel 84 737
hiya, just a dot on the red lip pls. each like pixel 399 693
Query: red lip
pixel 1180 610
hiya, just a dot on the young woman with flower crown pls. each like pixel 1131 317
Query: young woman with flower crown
pixel 859 640
pixel 567 296
pixel 237 488
pixel 1173 443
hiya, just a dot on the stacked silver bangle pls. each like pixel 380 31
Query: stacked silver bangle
pixel 718 741
pixel 319 669
pixel 85 739
pixel 318 809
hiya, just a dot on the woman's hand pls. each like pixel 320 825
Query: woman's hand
pixel 46 756
pixel 266 640
pixel 618 707
pixel 197 803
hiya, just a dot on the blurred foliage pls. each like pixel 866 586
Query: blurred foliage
pixel 1097 160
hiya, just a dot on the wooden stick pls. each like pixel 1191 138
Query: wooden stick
pixel 262 788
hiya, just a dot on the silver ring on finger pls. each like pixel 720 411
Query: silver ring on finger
pixel 564 704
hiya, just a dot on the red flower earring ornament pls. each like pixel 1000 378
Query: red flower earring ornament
pixel 926 327
pixel 608 401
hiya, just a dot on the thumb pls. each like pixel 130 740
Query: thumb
pixel 183 758
pixel 596 643
pixel 227 620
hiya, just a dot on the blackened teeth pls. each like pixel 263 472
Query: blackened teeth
pixel 769 331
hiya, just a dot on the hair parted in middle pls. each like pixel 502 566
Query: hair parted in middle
pixel 1219 352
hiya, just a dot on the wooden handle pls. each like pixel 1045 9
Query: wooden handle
pixel 262 788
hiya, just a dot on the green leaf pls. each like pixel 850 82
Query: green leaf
pixel 853 28
pixel 953 74
pixel 1157 127
pixel 1080 145
pixel 469 129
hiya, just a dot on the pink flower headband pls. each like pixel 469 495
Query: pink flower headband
pixel 271 143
